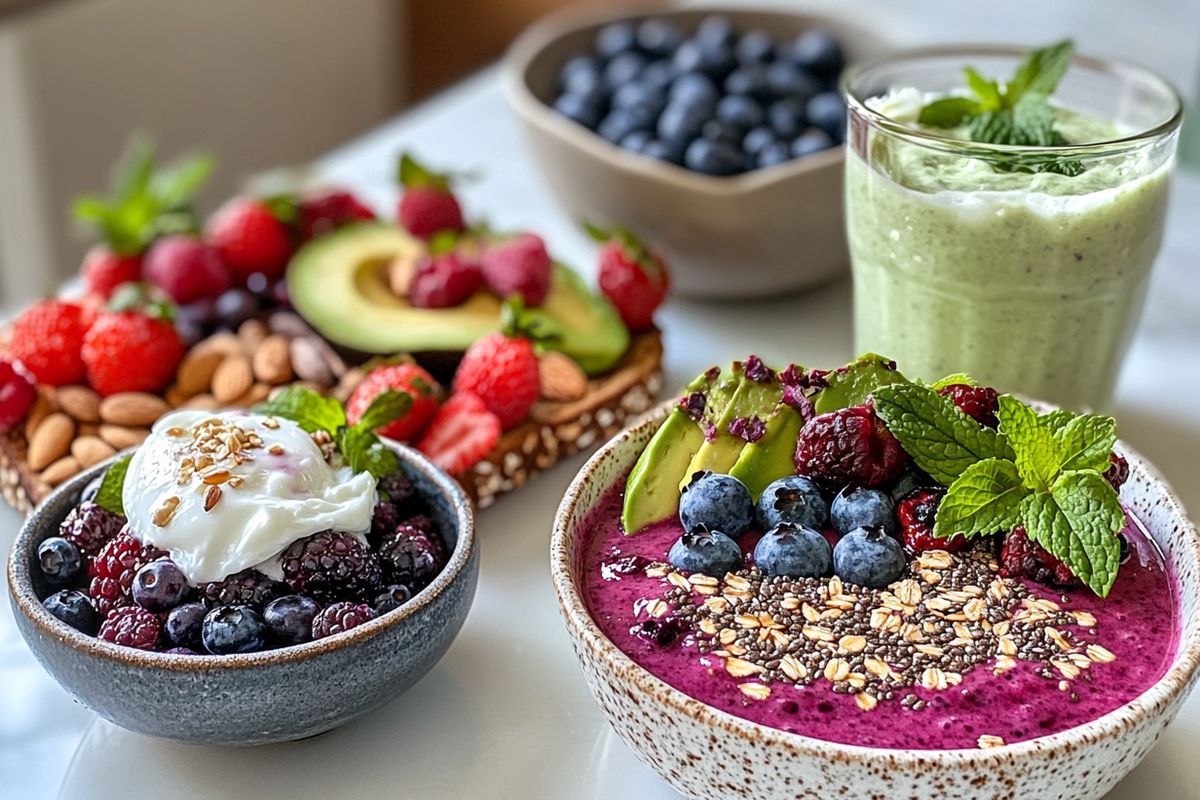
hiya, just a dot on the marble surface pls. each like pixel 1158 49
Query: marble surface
pixel 506 713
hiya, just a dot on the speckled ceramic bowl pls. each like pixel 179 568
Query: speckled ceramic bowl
pixel 706 753
pixel 256 698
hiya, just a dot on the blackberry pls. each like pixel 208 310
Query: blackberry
pixel 850 446
pixel 112 570
pixel 1022 557
pixel 246 588
pixel 89 527
pixel 411 555
pixel 977 402
pixel 340 617
pixel 330 566
pixel 385 520
pixel 132 626
pixel 395 488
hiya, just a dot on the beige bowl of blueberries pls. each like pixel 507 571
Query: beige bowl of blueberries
pixel 749 683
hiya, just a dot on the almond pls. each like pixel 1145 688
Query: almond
pixel 51 441
pixel 205 402
pixel 308 362
pixel 89 450
pixel 251 334
pixel 233 378
pixel 255 394
pixel 88 429
pixel 349 381
pixel 289 324
pixel 132 409
pixel 121 437
pixel 173 396
pixel 401 270
pixel 222 342
pixel 60 470
pixel 278 390
pixel 80 402
pixel 42 407
pixel 561 378
pixel 195 373
pixel 271 362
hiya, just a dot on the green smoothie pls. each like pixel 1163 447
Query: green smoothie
pixel 1028 282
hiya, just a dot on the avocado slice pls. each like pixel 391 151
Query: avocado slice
pixel 852 384
pixel 338 283
pixel 651 492
pixel 774 455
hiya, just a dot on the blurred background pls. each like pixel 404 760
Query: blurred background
pixel 263 83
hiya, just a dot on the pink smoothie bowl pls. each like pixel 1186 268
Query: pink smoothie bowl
pixel 706 753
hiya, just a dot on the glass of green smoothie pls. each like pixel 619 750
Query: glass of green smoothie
pixel 1004 208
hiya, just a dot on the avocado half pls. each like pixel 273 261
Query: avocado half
pixel 338 283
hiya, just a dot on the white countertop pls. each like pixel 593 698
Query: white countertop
pixel 506 713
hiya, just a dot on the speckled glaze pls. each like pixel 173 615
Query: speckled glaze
pixel 255 698
pixel 706 753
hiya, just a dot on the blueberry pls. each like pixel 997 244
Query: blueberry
pixel 749 80
pixel 718 502
pixel 715 61
pixel 621 122
pixel 640 96
pixel 615 38
pixel 869 557
pixel 713 157
pixel 793 551
pixel 827 112
pixel 60 560
pixel 755 47
pixel 818 52
pixel 740 110
pixel 693 87
pixel 624 68
pixel 581 108
pixel 793 499
pixel 786 118
pixel 235 306
pixel 757 139
pixel 637 140
pixel 184 625
pixel 720 131
pixel 89 492
pixel 716 30
pixel 658 74
pixel 395 596
pixel 580 75
pixel 289 619
pixel 233 629
pixel 785 79
pixel 75 608
pixel 773 154
pixel 160 586
pixel 659 36
pixel 664 151
pixel 710 552
pixel 681 122
pixel 813 140
pixel 858 508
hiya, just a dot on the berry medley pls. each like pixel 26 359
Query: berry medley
pixel 714 100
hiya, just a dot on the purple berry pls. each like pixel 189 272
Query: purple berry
pixel 289 619
pixel 74 608
pixel 160 586
pixel 340 617
pixel 331 566
pixel 61 561
pixel 184 625
pixel 395 596
pixel 233 629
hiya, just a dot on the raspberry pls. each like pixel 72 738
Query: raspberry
pixel 186 268
pixel 246 588
pixel 1021 557
pixel 340 617
pixel 332 565
pixel 89 527
pixel 47 338
pixel 503 372
pixel 917 513
pixel 327 210
pixel 632 276
pixel 425 210
pixel 1117 472
pixel 444 281
pixel 113 568
pixel 127 351
pixel 461 434
pixel 409 378
pixel 17 394
pixel 850 446
pixel 412 556
pixel 132 627
pixel 519 265
pixel 103 270
pixel 249 239
pixel 977 402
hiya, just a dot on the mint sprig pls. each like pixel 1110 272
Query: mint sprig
pixel 110 495
pixel 1018 114
pixel 1040 472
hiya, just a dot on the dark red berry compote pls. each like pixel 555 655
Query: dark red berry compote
pixel 869 603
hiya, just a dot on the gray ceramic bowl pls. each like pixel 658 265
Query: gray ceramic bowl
pixel 255 698
pixel 750 235
pixel 706 753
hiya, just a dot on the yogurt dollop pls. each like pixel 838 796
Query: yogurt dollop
pixel 224 492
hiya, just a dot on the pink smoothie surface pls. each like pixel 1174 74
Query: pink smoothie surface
pixel 1137 622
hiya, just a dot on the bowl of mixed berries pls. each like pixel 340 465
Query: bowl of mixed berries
pixel 845 583
pixel 248 576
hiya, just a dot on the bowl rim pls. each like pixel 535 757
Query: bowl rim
pixel 1181 672
pixel 551 29
pixel 21 591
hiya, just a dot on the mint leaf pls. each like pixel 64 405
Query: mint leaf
pixel 413 175
pixel 941 439
pixel 175 186
pixel 1086 442
pixel 951 380
pixel 1057 419
pixel 987 91
pixel 306 408
pixel 1078 521
pixel 1033 445
pixel 110 495
pixel 986 498
pixel 1040 71
pixel 364 452
pixel 949 112
pixel 388 406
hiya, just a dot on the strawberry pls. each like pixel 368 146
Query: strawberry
pixel 128 351
pixel 47 338
pixel 427 205
pixel 503 372
pixel 632 275
pixel 327 210
pixel 186 268
pixel 104 270
pixel 405 378
pixel 461 433
pixel 519 265
pixel 17 393
pixel 249 239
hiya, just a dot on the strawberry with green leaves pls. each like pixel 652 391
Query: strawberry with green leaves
pixel 502 367
pixel 132 346
pixel 403 377
pixel 427 205
pixel 251 236
pixel 632 275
